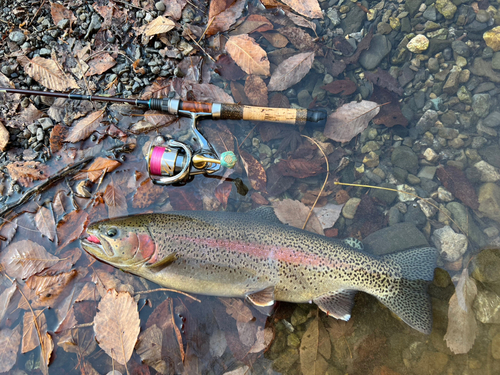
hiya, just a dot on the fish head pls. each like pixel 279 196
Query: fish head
pixel 123 242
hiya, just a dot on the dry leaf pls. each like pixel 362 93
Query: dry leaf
pixel 255 171
pixel 5 298
pixel 159 89
pixel 300 21
pixel 149 348
pixel 59 12
pixel 206 92
pixel 328 214
pixel 218 343
pixel 294 213
pixel 248 55
pixel 117 325
pixel 26 172
pixel 299 168
pixel 45 223
pixel 71 227
pixel 238 92
pixel 115 200
pixel 25 258
pixel 9 347
pixel 159 25
pixel 342 87
pixel 57 136
pixel 97 168
pixel 246 332
pixel 48 288
pixel 462 325
pixel 185 199
pixel 100 64
pixel 256 91
pixel 28 116
pixel 299 38
pixel 222 192
pixel 228 69
pixel 222 14
pixel 147 193
pixel 49 74
pixel 237 309
pixel 308 8
pixel 264 337
pixel 459 185
pixel 4 137
pixel 350 120
pixel 84 127
pixel 174 8
pixel 253 23
pixel 311 362
pixel 276 39
pixel 31 339
pixel 291 71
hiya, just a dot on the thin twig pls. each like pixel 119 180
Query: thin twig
pixel 204 32
pixel 168 290
pixel 38 11
pixel 324 183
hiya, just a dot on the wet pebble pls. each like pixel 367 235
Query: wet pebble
pixel 17 37
pixel 350 207
pixel 481 104
pixel 451 245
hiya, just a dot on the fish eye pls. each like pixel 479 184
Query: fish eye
pixel 111 232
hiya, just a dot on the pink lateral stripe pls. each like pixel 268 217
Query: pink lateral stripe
pixel 283 254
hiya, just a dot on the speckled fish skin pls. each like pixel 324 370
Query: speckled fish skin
pixel 235 255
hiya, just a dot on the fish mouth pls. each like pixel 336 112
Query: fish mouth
pixel 93 245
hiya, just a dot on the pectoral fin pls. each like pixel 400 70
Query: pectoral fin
pixel 337 304
pixel 264 297
pixel 165 262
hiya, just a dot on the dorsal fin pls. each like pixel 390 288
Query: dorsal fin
pixel 265 213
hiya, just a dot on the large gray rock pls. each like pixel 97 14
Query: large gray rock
pixel 397 237
pixel 404 157
pixel 492 120
pixel 481 104
pixel 380 47
pixel 464 220
pixel 451 245
pixel 487 307
pixel 491 154
pixel 427 121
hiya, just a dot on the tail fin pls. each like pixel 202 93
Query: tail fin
pixel 412 303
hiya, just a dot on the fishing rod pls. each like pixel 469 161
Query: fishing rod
pixel 170 161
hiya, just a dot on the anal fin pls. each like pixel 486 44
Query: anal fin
pixel 337 304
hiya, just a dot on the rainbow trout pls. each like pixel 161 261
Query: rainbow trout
pixel 253 255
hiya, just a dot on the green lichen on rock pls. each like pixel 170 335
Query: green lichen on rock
pixel 446 8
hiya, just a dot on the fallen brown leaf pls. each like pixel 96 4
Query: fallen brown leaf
pixel 255 171
pixel 185 199
pixel 300 21
pixel 256 91
pixel 71 227
pixel 308 8
pixel 299 38
pixel 222 14
pixel 206 92
pixel 57 136
pixel 117 325
pixel 174 8
pixel 160 88
pixel 5 299
pixel 84 127
pixel 459 185
pixel 343 87
pixel 222 192
pixel 28 116
pixel 49 74
pixel 248 55
pixel 48 288
pixel 350 120
pixel 9 347
pixel 115 200
pixel 294 213
pixel 4 137
pixel 97 168
pixel 253 23
pixel 237 309
pixel 228 69
pixel 276 39
pixel 147 193
pixel 291 71
pixel 264 338
pixel 159 25
pixel 31 339
pixel 45 223
pixel 26 172
pixel 59 12
pixel 311 362
pixel 238 92
pixel 100 64
pixel 25 258
pixel 462 326
pixel 299 168
pixel 149 348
